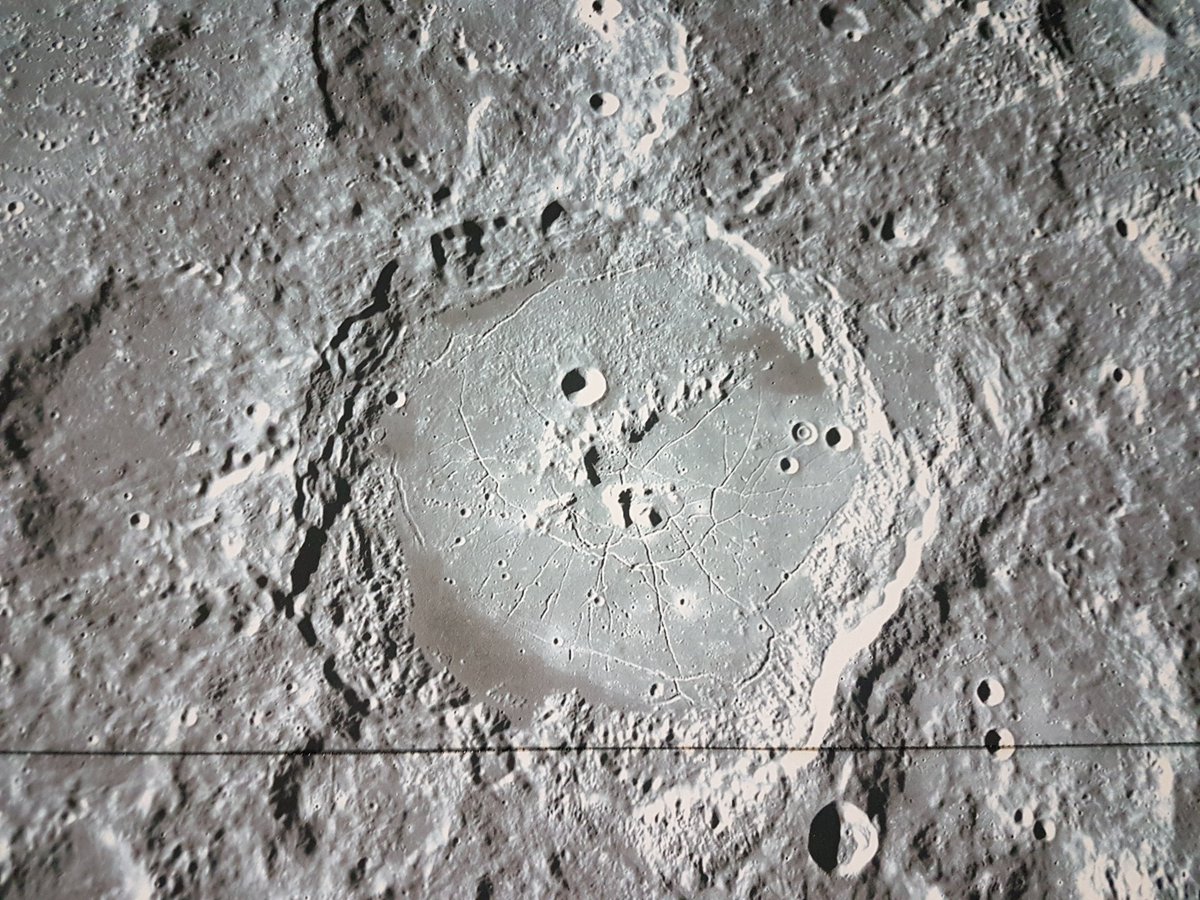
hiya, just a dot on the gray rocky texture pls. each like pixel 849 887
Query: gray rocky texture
pixel 277 280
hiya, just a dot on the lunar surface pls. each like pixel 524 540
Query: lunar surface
pixel 571 448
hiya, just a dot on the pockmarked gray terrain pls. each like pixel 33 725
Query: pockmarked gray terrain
pixel 623 449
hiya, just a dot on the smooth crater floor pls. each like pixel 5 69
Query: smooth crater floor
pixel 643 548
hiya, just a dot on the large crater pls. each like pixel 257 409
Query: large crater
pixel 613 484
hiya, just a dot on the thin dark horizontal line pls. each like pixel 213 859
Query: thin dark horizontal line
pixel 597 748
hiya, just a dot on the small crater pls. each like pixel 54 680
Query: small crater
pixel 584 387
pixel 1120 376
pixel 842 840
pixel 258 413
pixel 804 433
pixel 990 692
pixel 140 521
pixel 788 465
pixel 604 104
pixel 1044 830
pixel 839 438
pixel 999 743
pixel 551 214
pixel 887 231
